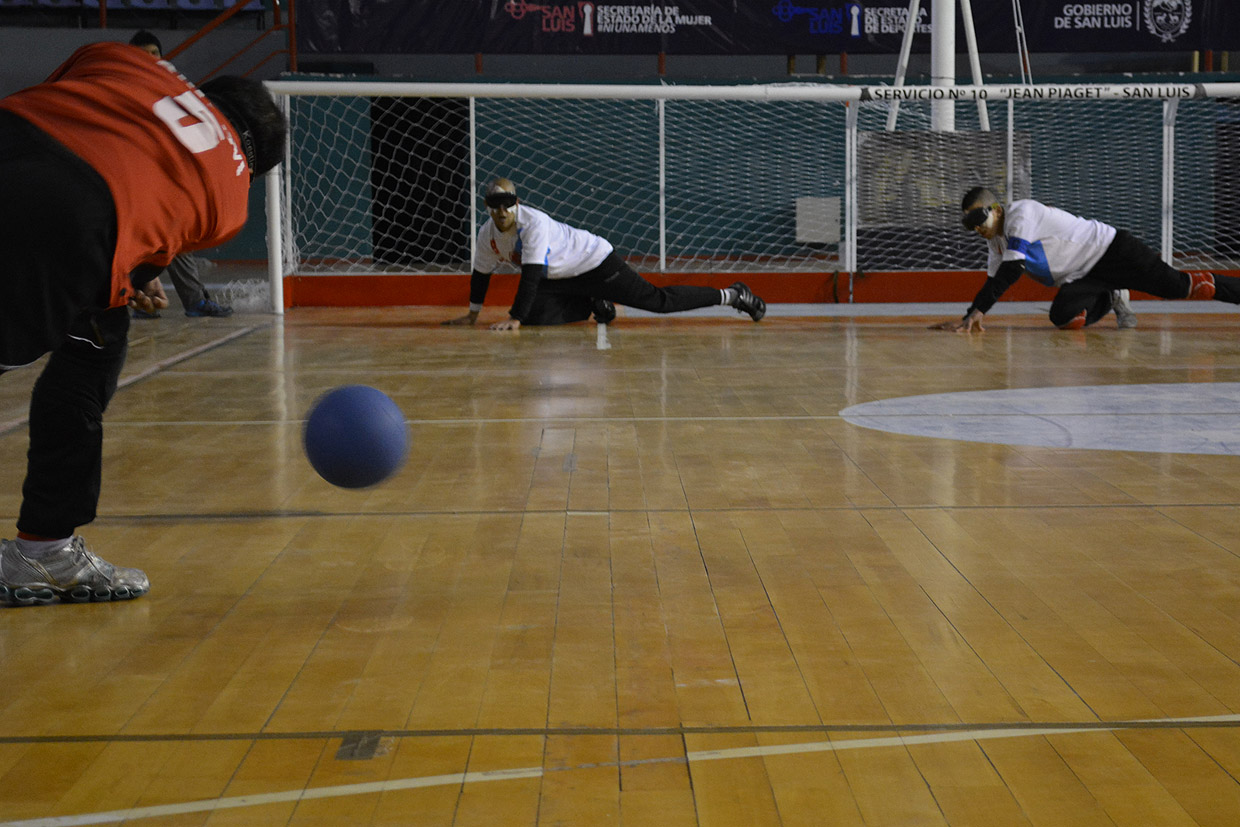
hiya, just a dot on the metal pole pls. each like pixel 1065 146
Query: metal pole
pixel 278 196
pixel 473 182
pixel 291 253
pixel 1022 44
pixel 275 247
pixel 975 63
pixel 942 62
pixel 660 108
pixel 850 193
pixel 906 47
pixel 1011 150
pixel 1170 108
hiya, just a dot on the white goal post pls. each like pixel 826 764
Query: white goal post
pixel 385 177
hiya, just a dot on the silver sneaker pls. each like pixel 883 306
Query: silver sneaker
pixel 1123 310
pixel 74 574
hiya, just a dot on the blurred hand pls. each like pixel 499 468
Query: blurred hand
pixel 971 322
pixel 469 318
pixel 149 297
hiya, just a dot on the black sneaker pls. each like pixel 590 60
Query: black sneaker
pixel 747 302
pixel 604 311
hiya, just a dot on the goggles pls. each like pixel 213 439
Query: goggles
pixel 975 217
pixel 500 200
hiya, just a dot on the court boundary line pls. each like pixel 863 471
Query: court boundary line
pixel 461 778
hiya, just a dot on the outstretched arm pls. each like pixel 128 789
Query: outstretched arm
pixel 478 284
pixel 995 286
pixel 531 276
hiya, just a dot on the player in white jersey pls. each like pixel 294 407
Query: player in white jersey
pixel 1093 264
pixel 568 273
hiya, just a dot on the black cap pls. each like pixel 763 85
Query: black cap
pixel 145 38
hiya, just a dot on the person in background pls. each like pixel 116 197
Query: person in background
pixel 568 273
pixel 110 168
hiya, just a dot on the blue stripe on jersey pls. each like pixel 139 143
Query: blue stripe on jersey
pixel 1036 264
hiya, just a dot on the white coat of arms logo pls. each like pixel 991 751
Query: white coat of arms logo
pixel 1168 18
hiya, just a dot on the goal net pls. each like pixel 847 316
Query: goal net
pixel 386 178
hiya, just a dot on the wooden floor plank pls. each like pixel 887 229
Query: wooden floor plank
pixel 732 792
pixel 654 781
pixel 515 801
pixel 1188 772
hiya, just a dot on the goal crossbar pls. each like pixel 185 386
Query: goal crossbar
pixel 771 92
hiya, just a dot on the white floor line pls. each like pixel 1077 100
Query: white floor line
pixel 6 427
pixel 890 741
pixel 207 805
pixel 177 358
pixel 308 794
pixel 937 738
pixel 603 344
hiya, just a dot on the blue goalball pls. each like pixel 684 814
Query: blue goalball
pixel 355 436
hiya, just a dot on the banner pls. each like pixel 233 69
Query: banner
pixel 121 6
pixel 750 27
pixel 1131 26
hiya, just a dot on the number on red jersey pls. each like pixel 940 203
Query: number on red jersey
pixel 201 135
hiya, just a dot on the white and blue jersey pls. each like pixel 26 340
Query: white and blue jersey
pixel 538 238
pixel 1054 246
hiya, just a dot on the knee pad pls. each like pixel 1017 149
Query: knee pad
pixel 1075 323
pixel 1200 286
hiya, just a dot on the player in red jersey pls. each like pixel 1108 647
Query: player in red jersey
pixel 110 168
pixel 183 271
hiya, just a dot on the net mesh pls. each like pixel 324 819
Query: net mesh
pixel 248 295
pixel 392 184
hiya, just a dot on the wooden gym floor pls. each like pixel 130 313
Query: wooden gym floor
pixel 659 579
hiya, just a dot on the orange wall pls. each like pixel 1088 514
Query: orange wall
pixel 775 288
